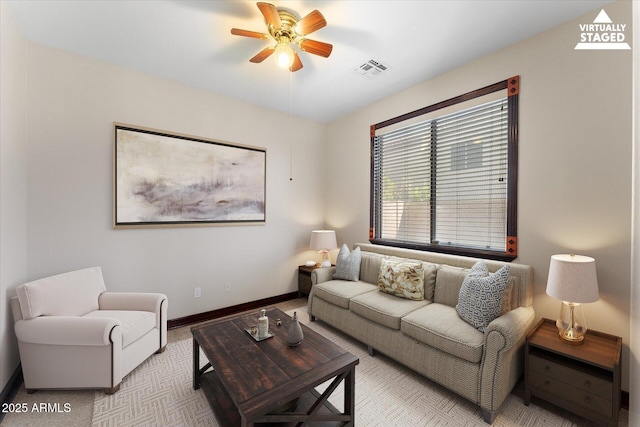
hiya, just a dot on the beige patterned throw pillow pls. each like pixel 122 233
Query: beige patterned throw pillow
pixel 402 279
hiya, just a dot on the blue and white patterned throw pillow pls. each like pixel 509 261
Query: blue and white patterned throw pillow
pixel 348 264
pixel 481 293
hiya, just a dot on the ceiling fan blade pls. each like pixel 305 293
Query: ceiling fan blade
pixel 247 33
pixel 310 23
pixel 263 54
pixel 270 14
pixel 297 64
pixel 316 47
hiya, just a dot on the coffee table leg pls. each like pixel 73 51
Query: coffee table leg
pixel 196 364
pixel 350 395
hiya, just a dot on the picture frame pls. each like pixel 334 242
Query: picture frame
pixel 167 179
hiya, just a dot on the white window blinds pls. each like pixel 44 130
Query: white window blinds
pixel 471 177
pixel 443 181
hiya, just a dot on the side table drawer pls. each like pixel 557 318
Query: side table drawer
pixel 580 380
pixel 561 390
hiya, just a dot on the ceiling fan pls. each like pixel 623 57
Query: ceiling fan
pixel 286 28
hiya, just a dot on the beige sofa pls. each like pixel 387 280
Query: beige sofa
pixel 429 336
pixel 72 333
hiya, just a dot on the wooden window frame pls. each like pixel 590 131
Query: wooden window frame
pixel 512 88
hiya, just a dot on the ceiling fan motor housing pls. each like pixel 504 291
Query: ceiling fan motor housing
pixel 286 32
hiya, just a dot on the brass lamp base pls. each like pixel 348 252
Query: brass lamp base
pixel 571 336
pixel 571 323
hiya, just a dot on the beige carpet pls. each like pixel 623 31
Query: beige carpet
pixel 159 393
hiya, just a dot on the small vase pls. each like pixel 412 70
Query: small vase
pixel 263 325
pixel 295 332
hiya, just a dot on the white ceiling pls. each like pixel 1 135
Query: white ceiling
pixel 190 42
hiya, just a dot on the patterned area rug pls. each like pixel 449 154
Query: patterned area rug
pixel 159 393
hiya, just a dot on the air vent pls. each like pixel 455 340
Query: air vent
pixel 372 69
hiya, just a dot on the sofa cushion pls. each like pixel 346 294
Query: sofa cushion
pixel 70 294
pixel 439 326
pixel 403 279
pixel 370 267
pixel 340 292
pixel 134 324
pixel 481 295
pixel 384 309
pixel 348 264
pixel 449 281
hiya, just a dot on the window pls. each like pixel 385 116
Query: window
pixel 444 177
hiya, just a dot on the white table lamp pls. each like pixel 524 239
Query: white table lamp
pixel 572 279
pixel 323 241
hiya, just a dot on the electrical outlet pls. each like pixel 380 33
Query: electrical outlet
pixel 227 287
pixel 197 292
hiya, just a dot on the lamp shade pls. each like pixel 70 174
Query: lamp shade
pixel 323 240
pixel 573 278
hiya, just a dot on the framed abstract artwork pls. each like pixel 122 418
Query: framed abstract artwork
pixel 167 179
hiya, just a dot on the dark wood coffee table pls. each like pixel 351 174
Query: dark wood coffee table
pixel 267 381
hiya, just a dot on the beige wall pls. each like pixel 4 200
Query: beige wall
pixel 58 111
pixel 574 166
pixel 72 102
pixel 634 388
pixel 13 200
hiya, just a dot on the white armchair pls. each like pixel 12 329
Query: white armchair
pixel 72 333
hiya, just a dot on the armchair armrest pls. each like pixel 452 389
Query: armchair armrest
pixel 502 361
pixel 67 330
pixel 323 274
pixel 136 301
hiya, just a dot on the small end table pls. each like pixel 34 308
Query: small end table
pixel 584 379
pixel 304 279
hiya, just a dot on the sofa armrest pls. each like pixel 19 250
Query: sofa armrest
pixel 502 361
pixel 323 274
pixel 67 330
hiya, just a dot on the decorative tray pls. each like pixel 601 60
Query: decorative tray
pixel 255 337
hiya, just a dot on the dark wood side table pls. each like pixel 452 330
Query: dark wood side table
pixel 304 279
pixel 584 379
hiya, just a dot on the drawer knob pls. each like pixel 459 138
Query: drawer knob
pixel 587 400
pixel 547 369
pixel 587 383
pixel 547 383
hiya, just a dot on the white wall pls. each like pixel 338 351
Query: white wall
pixel 574 166
pixel 72 102
pixel 13 183
pixel 634 389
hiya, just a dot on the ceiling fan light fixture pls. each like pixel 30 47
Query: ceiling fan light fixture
pixel 285 27
pixel 284 55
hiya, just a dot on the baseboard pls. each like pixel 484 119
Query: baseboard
pixel 221 312
pixel 11 389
